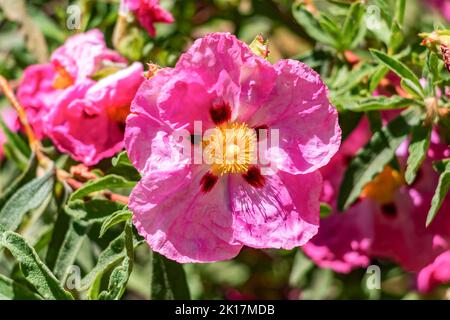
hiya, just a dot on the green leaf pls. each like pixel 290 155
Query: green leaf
pixel 121 160
pixel 378 152
pixel 26 176
pixel 379 103
pixel 311 25
pixel 92 211
pixel 113 254
pixel 117 217
pixel 12 290
pixel 29 197
pixel 418 148
pixel 352 24
pixel 15 140
pixel 107 182
pixel 70 247
pixel 439 194
pixel 376 78
pixel 168 280
pixel 34 270
pixel 325 210
pixel 401 70
pixel 120 275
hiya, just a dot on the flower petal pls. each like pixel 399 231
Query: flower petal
pixel 308 124
pixel 284 213
pixel 180 221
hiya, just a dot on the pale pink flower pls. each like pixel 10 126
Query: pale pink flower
pixel 388 222
pixel 442 6
pixel 147 12
pixel 81 99
pixel 199 212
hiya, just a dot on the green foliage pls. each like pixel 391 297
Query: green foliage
pixel 65 240
pixel 374 156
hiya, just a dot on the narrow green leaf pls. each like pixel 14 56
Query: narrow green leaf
pixel 400 69
pixel 352 24
pixel 325 210
pixel 121 160
pixel 15 140
pixel 70 247
pixel 371 160
pixel 107 182
pixel 29 197
pixel 60 226
pixel 121 274
pixel 168 279
pixel 311 25
pixel 418 149
pixel 26 176
pixel 34 270
pixel 380 103
pixel 115 218
pixel 92 211
pixel 113 254
pixel 439 194
pixel 12 290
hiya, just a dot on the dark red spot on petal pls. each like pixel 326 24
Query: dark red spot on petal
pixel 389 210
pixel 220 113
pixel 208 181
pixel 254 177
pixel 257 130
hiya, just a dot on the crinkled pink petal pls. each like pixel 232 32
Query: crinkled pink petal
pixel 284 213
pixel 88 138
pixel 180 221
pixel 82 55
pixel 308 124
pixel 222 61
pixel 175 98
pixel 436 273
pixel 37 95
pixel 118 89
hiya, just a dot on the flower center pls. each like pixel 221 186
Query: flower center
pixel 382 189
pixel 118 114
pixel 230 148
pixel 63 79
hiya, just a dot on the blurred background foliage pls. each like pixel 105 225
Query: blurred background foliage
pixel 30 30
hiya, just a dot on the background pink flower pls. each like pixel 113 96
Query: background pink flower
pixel 199 212
pixel 393 229
pixel 147 12
pixel 443 6
pixel 81 99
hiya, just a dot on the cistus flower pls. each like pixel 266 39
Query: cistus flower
pixel 388 221
pixel 204 212
pixel 147 12
pixel 442 6
pixel 82 97
pixel 9 117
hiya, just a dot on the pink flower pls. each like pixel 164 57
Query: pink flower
pixel 435 273
pixel 147 12
pixel 388 222
pixel 206 212
pixel 443 6
pixel 81 99
pixel 9 117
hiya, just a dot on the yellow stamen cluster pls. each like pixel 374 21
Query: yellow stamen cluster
pixel 382 189
pixel 230 148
